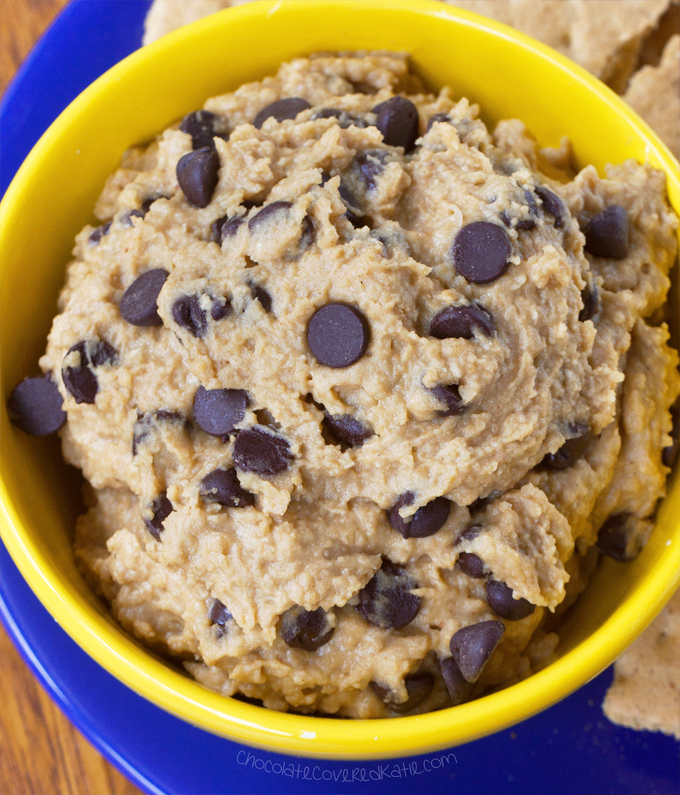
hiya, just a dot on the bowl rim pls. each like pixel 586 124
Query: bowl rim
pixel 152 678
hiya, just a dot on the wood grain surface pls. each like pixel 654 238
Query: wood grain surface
pixel 40 751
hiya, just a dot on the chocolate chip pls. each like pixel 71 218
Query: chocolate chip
pixel 267 213
pixel 472 646
pixel 607 233
pixel 79 379
pixel 426 521
pixel 338 334
pixel 260 294
pixel 259 451
pixel 218 411
pixel 501 600
pixel 197 175
pixel 161 508
pixel 99 233
pixel 472 565
pixel 521 224
pixel 226 227
pixel 438 117
pixel 590 296
pixel 281 110
pixel 34 406
pixel 138 306
pixel 371 164
pixel 618 538
pixel 218 613
pixel 126 220
pixel 386 601
pixel 397 120
pixel 219 616
pixel 346 430
pixel 480 252
pixel 220 309
pixel 458 686
pixel 449 395
pixel 188 314
pixel 461 321
pixel 222 486
pixel 418 687
pixel 305 629
pixel 200 125
pixel 553 204
pixel 571 450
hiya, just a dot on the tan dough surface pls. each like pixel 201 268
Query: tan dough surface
pixel 646 689
pixel 318 532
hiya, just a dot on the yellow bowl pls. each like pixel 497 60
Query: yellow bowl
pixel 52 197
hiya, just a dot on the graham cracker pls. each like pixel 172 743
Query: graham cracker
pixel 646 689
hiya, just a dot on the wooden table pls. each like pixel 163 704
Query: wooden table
pixel 40 751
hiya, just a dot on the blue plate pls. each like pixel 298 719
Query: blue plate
pixel 570 749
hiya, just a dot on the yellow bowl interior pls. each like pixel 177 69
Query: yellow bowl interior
pixel 51 199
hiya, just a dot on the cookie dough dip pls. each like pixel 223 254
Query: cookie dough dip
pixel 361 389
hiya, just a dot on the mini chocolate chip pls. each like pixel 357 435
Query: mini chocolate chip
pixel 607 233
pixel 200 125
pixel 80 380
pixel 346 430
pixel 353 214
pixel 472 565
pixel 426 521
pixel 126 220
pixel 472 646
pixel 145 422
pixel 281 110
pixel 397 120
pixel 161 508
pixel 481 251
pixel 553 204
pixel 35 406
pixel 461 321
pixel 617 537
pixel 418 687
pixel 307 234
pixel 458 686
pixel 218 411
pixel 260 294
pixel 188 314
pixel 222 486
pixel 371 165
pixel 219 616
pixel 590 296
pixel 344 117
pixel 501 600
pixel 571 450
pixel 221 308
pixel 669 454
pixel 267 213
pixel 438 117
pixel 218 613
pixel 469 533
pixel 305 629
pixel 259 451
pixel 99 233
pixel 450 396
pixel 521 224
pixel 197 175
pixel 138 306
pixel 338 334
pixel 386 600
